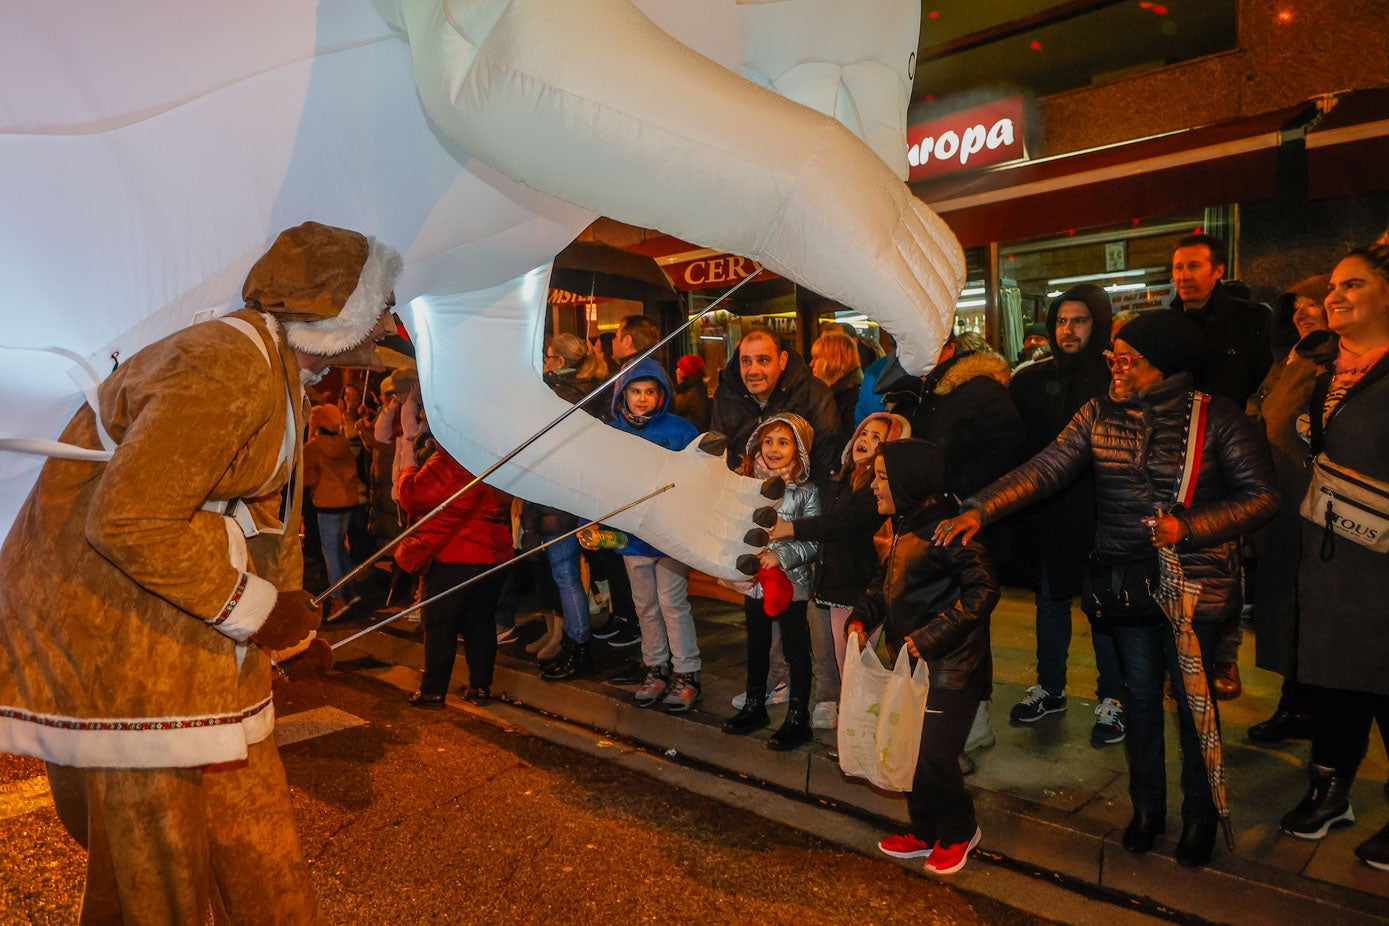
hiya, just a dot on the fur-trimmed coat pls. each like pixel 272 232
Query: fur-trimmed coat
pixel 966 411
pixel 125 603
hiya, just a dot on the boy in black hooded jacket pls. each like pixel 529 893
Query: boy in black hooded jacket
pixel 935 604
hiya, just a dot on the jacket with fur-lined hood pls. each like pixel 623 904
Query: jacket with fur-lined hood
pixel 967 412
pixel 802 500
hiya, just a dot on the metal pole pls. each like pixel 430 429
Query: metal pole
pixel 511 562
pixel 526 443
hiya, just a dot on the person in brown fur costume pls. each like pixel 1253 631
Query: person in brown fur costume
pixel 142 676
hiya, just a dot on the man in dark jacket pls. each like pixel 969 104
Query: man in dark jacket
pixel 1235 356
pixel 1054 540
pixel 764 379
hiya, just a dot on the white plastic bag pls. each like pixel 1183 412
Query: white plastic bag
pixel 880 715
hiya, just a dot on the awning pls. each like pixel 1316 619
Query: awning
pixel 1177 172
pixel 1348 150
pixel 691 267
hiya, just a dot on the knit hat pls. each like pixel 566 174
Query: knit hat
pixel 1314 288
pixel 328 285
pixel 915 471
pixel 1166 339
pixel 690 366
pixel 328 417
pixel 898 428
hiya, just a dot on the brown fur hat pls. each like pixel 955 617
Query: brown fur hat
pixel 328 285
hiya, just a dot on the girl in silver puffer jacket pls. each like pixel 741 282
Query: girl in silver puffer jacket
pixel 780 446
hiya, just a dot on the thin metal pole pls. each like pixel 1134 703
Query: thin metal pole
pixel 526 443
pixel 500 566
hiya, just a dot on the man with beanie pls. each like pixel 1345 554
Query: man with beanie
pixel 931 603
pixel 143 677
pixel 1234 356
pixel 1135 441
pixel 1053 540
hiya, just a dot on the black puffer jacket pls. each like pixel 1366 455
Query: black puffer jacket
pixel 1136 448
pixel 942 597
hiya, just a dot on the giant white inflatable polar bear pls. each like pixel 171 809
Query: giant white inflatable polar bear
pixel 151 152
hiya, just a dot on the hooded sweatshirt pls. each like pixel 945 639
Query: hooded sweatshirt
pixel 661 427
pixel 941 597
pixel 801 500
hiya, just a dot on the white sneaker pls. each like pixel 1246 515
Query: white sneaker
pixel 981 734
pixel 825 716
pixel 778 695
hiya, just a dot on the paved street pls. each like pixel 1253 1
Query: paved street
pixel 452 817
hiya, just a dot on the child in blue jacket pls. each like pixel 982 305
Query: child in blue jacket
pixel 660 585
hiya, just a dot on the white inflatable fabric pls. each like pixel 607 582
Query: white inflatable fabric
pixel 483 342
pixel 854 61
pixel 644 129
pixel 152 150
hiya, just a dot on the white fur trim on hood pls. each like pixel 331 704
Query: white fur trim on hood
pixel 359 314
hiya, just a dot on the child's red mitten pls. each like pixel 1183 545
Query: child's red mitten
pixel 777 590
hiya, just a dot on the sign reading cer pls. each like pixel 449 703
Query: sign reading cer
pixel 975 137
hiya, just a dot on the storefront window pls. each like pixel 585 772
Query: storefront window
pixel 1132 262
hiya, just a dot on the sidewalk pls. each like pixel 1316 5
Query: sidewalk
pixel 1047 800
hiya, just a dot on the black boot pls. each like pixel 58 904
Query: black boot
pixel 1282 726
pixel 1375 850
pixel 1327 804
pixel 752 715
pixel 1143 830
pixel 1197 841
pixel 574 661
pixel 794 731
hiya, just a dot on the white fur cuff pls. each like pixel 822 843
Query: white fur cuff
pixel 246 612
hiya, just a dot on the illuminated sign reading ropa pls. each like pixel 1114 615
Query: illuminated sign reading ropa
pixel 976 137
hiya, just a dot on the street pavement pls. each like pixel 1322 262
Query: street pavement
pixel 1049 803
pixel 455 816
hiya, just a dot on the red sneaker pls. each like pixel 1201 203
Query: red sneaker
pixel 904 846
pixel 946 860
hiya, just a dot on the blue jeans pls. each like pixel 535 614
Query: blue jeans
pixel 332 535
pixel 1146 656
pixel 564 566
pixel 1054 643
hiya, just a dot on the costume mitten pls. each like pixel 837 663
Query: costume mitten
pixel 291 620
pixel 313 660
pixel 777 590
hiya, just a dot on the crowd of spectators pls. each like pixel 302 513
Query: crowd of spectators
pixel 1116 439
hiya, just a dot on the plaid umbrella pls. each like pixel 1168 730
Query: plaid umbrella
pixel 1177 597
